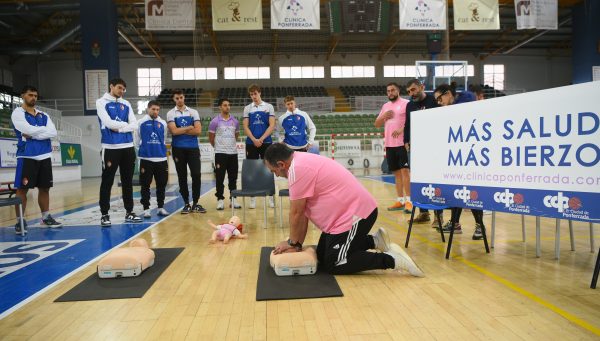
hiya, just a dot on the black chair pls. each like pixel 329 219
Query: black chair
pixel 282 193
pixel 12 202
pixel 596 271
pixel 257 181
pixel 435 209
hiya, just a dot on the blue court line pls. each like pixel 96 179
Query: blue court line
pixel 21 286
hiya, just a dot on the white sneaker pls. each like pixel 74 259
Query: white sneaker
pixel 220 205
pixel 382 240
pixel 252 203
pixel 402 261
pixel 147 214
pixel 162 212
pixel 271 202
pixel 235 204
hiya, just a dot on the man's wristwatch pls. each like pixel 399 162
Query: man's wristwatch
pixel 297 244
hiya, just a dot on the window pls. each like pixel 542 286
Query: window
pixel 263 72
pixel 294 72
pixel 149 83
pixel 408 71
pixel 493 75
pixel 191 73
pixel 454 71
pixel 356 71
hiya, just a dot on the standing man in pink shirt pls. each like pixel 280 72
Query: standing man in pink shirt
pixel 393 117
pixel 324 192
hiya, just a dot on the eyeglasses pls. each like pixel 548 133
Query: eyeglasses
pixel 438 99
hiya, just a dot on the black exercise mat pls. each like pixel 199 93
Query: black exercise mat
pixel 272 287
pixel 96 288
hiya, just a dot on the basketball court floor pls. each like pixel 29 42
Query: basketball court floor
pixel 208 292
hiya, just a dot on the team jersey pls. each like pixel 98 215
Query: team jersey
pixel 183 118
pixel 117 122
pixel 295 125
pixel 33 134
pixel 258 119
pixel 150 138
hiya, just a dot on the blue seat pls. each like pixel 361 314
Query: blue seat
pixel 257 181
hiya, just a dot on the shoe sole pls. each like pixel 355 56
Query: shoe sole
pixel 396 248
pixel 395 209
pixel 185 212
pixel 220 208
pixel 133 221
pixel 386 239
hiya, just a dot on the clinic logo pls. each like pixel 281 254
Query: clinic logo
pixel 294 6
pixel 422 7
pixel 154 136
pixel 118 119
pixel 183 122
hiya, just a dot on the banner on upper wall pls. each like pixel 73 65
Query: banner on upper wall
pixel 295 15
pixel 423 14
pixel 540 14
pixel 476 15
pixel 71 154
pixel 526 154
pixel 170 15
pixel 237 15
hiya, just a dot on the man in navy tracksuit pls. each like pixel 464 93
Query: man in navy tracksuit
pixel 295 123
pixel 34 130
pixel 185 127
pixel 150 139
pixel 117 125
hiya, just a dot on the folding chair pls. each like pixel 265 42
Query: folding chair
pixel 435 209
pixel 257 181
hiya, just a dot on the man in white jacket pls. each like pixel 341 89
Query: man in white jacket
pixel 117 125
pixel 34 129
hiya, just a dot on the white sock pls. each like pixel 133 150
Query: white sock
pixel 407 199
pixel 400 200
pixel 45 214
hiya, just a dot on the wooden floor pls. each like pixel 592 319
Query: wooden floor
pixel 209 291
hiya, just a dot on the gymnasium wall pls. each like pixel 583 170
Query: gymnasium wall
pixel 61 78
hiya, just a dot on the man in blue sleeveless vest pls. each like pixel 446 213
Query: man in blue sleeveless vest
pixel 295 124
pixel 150 139
pixel 34 129
pixel 259 123
pixel 117 124
pixel 184 124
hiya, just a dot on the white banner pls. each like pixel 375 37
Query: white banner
pixel 295 15
pixel 347 148
pixel 237 15
pixel 56 156
pixel 525 153
pixel 476 15
pixel 8 153
pixel 207 152
pixel 378 147
pixel 422 14
pixel 170 15
pixel 241 149
pixel 540 14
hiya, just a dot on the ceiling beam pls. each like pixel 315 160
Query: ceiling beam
pixel 141 32
pixel 390 42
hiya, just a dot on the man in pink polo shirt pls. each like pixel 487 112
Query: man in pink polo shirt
pixel 324 192
pixel 393 117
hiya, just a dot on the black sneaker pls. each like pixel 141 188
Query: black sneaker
pixel 198 209
pixel 49 222
pixel 186 209
pixel 132 218
pixel 477 235
pixel 18 227
pixel 105 220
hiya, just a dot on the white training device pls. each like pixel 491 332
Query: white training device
pixel 127 262
pixel 295 263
